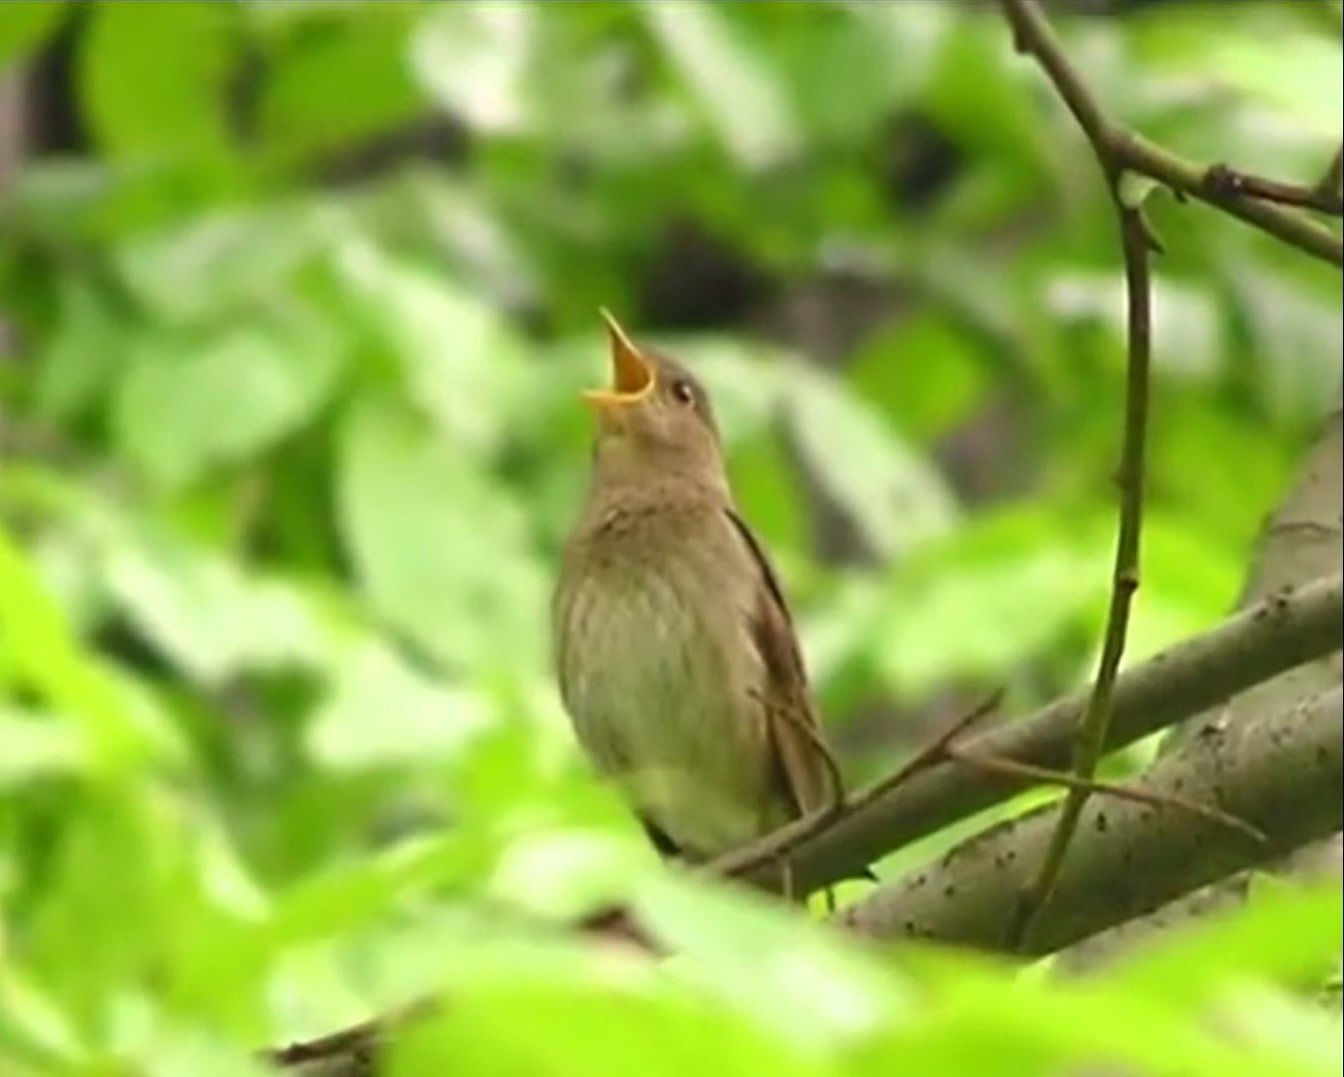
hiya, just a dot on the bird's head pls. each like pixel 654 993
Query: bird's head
pixel 655 422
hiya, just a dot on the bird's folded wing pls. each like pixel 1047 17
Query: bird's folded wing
pixel 802 762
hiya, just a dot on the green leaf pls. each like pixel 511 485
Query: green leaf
pixel 1293 71
pixel 118 722
pixel 599 1013
pixel 153 79
pixel 896 499
pixel 473 59
pixel 1289 934
pixel 461 361
pixel 381 712
pixel 24 25
pixel 956 608
pixel 37 746
pixel 735 86
pixel 80 358
pixel 306 104
pixel 769 967
pixel 925 374
pixel 210 618
pixel 440 549
pixel 224 262
pixel 196 400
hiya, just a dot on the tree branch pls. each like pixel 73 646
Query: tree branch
pixel 1221 179
pixel 1284 631
pixel 1128 150
pixel 1281 772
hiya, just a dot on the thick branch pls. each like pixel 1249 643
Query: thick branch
pixel 1281 773
pixel 1285 631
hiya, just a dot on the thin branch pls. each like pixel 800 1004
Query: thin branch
pixel 1120 149
pixel 773 848
pixel 1029 775
pixel 1222 180
pixel 1032 34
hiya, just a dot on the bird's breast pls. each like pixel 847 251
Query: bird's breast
pixel 658 676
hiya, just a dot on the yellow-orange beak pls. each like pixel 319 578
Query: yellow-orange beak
pixel 632 376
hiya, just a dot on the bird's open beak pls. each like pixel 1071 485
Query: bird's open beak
pixel 632 376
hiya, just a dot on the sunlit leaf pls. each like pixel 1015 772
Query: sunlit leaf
pixel 473 59
pixel 735 85
pixel 440 551
pixel 194 400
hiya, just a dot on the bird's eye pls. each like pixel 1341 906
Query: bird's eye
pixel 684 392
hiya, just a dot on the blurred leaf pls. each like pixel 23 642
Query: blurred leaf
pixel 473 58
pixel 223 262
pixel 36 746
pixel 461 362
pixel 33 1020
pixel 440 551
pixel 734 84
pixel 194 400
pixel 118 725
pixel 1293 70
pixel 736 948
pixel 894 497
pixel 1288 934
pixel 79 358
pixel 586 1013
pixel 997 592
pixel 24 25
pixel 306 104
pixel 206 615
pixel 925 374
pixel 152 79
pixel 382 713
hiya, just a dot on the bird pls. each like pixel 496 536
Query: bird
pixel 675 651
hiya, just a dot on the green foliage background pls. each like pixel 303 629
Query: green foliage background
pixel 291 439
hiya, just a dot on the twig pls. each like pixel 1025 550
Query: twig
pixel 1043 775
pixel 1223 180
pixel 935 751
pixel 1120 149
pixel 1033 34
pixel 773 847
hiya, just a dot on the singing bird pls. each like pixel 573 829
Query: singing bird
pixel 675 650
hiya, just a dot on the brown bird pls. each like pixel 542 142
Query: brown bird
pixel 674 647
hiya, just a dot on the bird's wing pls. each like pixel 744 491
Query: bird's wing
pixel 803 766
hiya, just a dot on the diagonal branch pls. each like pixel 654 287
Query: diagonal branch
pixel 1032 34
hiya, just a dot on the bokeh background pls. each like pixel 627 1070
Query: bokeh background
pixel 295 302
